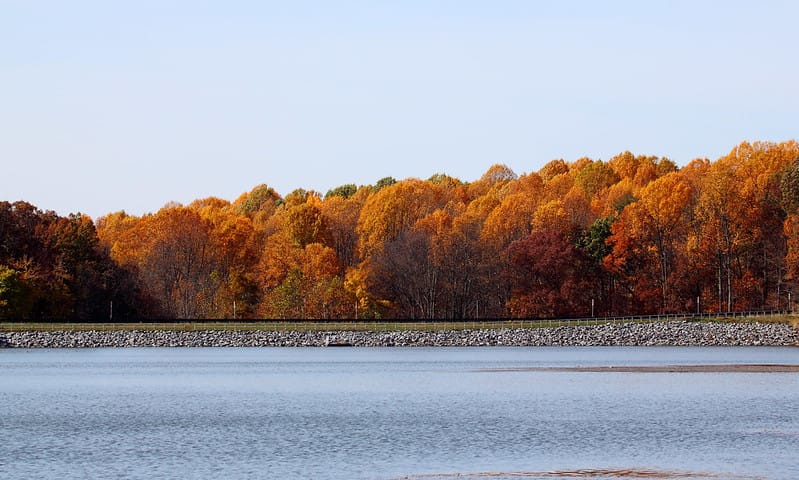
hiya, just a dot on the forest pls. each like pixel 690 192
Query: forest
pixel 631 235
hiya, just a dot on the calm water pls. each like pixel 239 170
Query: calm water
pixel 392 413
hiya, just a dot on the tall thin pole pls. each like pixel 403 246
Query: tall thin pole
pixel 111 312
pixel 234 309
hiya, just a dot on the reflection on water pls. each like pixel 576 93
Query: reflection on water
pixel 396 413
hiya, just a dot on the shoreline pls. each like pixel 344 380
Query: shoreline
pixel 672 333
pixel 703 368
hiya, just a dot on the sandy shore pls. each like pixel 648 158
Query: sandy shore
pixel 585 473
pixel 745 368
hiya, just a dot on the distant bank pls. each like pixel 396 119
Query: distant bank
pixel 672 333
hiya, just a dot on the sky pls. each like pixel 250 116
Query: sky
pixel 128 105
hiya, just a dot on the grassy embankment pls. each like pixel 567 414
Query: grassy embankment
pixel 311 325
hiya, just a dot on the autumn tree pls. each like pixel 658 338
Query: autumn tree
pixel 553 169
pixel 392 210
pixel 494 178
pixel 234 253
pixel 312 288
pixel 549 277
pixel 52 267
pixel 171 254
pixel 307 224
pixel 463 264
pixel 300 272
pixel 595 176
pixel 259 204
pixel 483 274
pixel 789 186
pixel 340 215
pixel 740 217
pixel 389 246
pixel 645 239
pixel 646 235
pixel 403 275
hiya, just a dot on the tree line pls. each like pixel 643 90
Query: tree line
pixel 631 235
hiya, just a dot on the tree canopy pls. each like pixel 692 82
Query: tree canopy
pixel 631 235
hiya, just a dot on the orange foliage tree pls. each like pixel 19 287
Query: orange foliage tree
pixel 634 233
pixel 647 239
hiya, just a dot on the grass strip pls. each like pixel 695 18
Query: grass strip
pixel 377 326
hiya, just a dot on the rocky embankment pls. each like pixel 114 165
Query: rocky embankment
pixel 676 333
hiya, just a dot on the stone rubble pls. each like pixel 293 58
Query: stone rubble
pixel 673 333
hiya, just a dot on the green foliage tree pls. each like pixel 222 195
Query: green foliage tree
pixel 343 191
pixel 10 292
pixel 385 182
pixel 594 240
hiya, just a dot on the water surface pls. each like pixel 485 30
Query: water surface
pixel 388 413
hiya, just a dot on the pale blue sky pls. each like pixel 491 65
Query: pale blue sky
pixel 110 105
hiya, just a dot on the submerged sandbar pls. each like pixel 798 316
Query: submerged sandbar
pixel 720 368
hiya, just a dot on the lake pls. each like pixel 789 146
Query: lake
pixel 395 413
